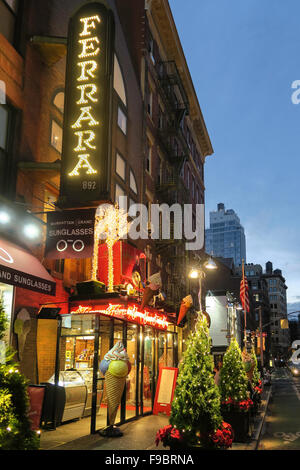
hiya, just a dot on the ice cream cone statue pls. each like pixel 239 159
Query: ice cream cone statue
pixel 186 304
pixel 115 367
pixel 154 283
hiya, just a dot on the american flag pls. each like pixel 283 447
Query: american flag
pixel 244 294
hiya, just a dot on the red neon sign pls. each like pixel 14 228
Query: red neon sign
pixel 130 313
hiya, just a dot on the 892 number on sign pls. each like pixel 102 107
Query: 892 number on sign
pixel 89 185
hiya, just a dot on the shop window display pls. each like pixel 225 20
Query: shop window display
pixel 149 346
pixel 131 389
pixel 6 294
pixel 147 349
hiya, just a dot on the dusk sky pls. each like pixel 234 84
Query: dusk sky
pixel 243 57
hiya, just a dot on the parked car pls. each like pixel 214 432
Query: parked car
pixel 294 368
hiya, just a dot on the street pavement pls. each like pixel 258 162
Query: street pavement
pixel 281 430
pixel 138 435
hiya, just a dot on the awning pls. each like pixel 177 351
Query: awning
pixel 18 267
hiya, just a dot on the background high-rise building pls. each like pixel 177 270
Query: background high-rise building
pixel 280 337
pixel 226 236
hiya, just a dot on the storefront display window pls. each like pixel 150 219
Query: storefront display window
pixel 147 348
pixel 131 385
pixel 148 373
pixel 166 349
pixel 6 294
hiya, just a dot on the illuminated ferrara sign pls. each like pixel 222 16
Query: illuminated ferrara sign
pixel 87 121
pixel 126 312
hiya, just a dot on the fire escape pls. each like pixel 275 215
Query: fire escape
pixel 170 187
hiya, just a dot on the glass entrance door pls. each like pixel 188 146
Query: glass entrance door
pixel 148 369
pixel 131 383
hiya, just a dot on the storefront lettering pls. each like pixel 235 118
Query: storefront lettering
pixel 4 275
pixel 88 95
pixel 130 313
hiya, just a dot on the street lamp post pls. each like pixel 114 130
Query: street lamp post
pixel 199 273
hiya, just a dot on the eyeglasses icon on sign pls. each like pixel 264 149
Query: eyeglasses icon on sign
pixel 78 246
pixel 8 258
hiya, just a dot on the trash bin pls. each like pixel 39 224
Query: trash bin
pixel 47 413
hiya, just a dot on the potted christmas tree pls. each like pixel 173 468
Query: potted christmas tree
pixel 235 400
pixel 15 429
pixel 196 420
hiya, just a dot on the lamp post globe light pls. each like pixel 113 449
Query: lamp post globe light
pixel 199 273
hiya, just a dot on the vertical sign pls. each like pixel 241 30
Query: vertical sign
pixel 165 390
pixel 85 175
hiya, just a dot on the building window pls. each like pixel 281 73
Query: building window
pixel 133 185
pixel 119 192
pixel 7 295
pixel 56 136
pixel 59 101
pixel 149 158
pixel 120 167
pixel 8 18
pixel 122 121
pixel 6 115
pixel 119 84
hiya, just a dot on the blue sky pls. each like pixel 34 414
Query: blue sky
pixel 243 57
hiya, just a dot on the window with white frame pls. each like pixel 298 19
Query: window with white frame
pixel 120 166
pixel 59 101
pixel 133 185
pixel 122 121
pixel 119 192
pixel 119 84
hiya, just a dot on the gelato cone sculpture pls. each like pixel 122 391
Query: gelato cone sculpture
pixel 154 283
pixel 22 327
pixel 186 304
pixel 115 379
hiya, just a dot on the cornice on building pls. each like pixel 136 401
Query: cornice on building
pixel 163 18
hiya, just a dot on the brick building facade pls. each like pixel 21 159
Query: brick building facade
pixel 159 140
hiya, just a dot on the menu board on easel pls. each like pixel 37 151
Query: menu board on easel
pixel 165 390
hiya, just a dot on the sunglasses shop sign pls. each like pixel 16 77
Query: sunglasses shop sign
pixel 70 234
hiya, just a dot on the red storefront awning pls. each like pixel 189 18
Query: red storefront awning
pixel 18 267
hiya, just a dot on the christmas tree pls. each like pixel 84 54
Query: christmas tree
pixel 15 431
pixel 196 406
pixel 233 378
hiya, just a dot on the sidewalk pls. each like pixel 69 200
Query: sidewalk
pixel 257 425
pixel 138 435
